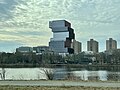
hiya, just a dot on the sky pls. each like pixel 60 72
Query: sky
pixel 26 22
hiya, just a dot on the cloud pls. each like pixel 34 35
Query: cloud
pixel 2 2
pixel 27 20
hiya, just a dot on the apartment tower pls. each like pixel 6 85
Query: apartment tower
pixel 111 44
pixel 92 45
pixel 76 45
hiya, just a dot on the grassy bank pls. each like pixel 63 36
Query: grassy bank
pixel 55 88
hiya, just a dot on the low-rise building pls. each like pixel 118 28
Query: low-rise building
pixel 42 49
pixel 87 57
pixel 24 49
pixel 112 56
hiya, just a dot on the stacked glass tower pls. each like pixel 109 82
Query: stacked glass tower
pixel 63 36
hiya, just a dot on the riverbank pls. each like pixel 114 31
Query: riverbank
pixel 77 66
pixel 61 84
pixel 55 88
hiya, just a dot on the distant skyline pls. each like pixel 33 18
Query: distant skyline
pixel 26 22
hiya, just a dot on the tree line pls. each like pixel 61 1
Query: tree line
pixel 47 58
pixel 29 58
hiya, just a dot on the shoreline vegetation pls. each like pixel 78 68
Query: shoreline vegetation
pixel 88 67
pixel 44 80
pixel 55 65
pixel 56 88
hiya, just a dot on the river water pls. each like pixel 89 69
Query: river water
pixel 58 74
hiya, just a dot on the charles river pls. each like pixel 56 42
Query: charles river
pixel 58 74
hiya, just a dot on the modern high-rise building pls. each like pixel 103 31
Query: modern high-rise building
pixel 111 44
pixel 92 45
pixel 63 35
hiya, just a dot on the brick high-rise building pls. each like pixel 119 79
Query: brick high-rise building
pixel 92 45
pixel 111 44
pixel 77 46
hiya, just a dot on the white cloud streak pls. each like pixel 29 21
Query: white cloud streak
pixel 99 17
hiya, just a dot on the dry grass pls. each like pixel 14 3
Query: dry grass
pixel 55 88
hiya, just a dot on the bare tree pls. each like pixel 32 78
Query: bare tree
pixel 2 74
pixel 48 72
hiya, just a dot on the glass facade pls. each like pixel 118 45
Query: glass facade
pixel 63 35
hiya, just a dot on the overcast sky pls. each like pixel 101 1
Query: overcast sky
pixel 25 22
